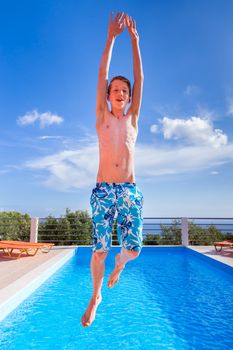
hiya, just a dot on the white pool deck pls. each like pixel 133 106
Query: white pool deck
pixel 21 277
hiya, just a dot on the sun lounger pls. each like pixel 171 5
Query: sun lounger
pixel 10 248
pixel 30 244
pixel 219 245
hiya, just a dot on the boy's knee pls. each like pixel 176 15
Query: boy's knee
pixel 132 253
pixel 135 254
pixel 99 257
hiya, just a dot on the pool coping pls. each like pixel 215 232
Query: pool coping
pixel 16 292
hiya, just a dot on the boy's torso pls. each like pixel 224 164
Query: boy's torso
pixel 117 138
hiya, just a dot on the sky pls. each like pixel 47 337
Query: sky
pixel 49 58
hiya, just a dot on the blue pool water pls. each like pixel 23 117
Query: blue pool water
pixel 169 298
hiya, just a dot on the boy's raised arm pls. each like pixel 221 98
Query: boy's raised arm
pixel 137 68
pixel 116 26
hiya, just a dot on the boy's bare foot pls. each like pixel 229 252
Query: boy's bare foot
pixel 89 315
pixel 114 277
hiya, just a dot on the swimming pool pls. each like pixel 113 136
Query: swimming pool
pixel 169 298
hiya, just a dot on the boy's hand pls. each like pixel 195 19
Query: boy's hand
pixel 131 26
pixel 116 25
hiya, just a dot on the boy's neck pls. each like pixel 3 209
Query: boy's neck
pixel 118 113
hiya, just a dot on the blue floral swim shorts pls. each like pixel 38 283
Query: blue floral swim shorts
pixel 126 200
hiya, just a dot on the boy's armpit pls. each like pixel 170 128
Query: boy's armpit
pixel 100 113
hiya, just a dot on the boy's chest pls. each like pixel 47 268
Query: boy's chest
pixel 115 130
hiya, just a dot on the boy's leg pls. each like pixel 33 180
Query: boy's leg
pixel 129 227
pixel 103 210
pixel 97 270
pixel 120 261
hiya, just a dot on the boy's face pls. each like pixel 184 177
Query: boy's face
pixel 119 94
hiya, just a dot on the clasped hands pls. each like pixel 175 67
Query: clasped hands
pixel 117 25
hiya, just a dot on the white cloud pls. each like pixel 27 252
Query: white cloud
pixel 195 130
pixel 4 171
pixel 214 172
pixel 206 113
pixel 44 119
pixel 68 169
pixel 153 162
pixel 9 168
pixel 73 169
pixel 192 90
pixel 230 106
pixel 50 137
pixel 154 129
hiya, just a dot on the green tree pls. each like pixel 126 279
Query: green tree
pixel 70 229
pixel 151 239
pixel 14 226
pixel 75 228
pixel 80 227
pixel 199 235
pixel 171 234
pixel 55 230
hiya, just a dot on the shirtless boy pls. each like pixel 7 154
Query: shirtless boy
pixel 116 190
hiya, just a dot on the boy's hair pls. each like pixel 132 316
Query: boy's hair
pixel 119 77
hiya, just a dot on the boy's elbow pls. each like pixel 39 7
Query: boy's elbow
pixel 141 73
pixel 139 78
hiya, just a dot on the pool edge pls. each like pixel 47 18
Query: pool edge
pixel 19 290
pixel 223 265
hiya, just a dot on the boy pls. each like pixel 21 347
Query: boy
pixel 116 190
